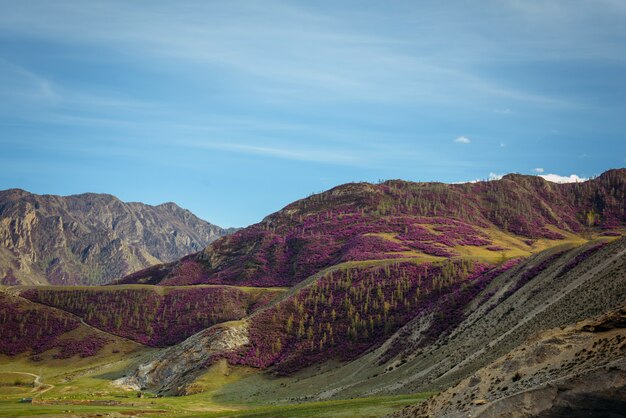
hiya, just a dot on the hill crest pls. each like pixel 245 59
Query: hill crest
pixel 516 215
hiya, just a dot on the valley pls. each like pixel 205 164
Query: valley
pixel 410 299
pixel 321 209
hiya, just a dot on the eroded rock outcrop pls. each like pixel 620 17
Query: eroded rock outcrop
pixel 171 370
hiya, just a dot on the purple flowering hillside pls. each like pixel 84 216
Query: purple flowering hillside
pixel 399 220
pixel 33 329
pixel 150 316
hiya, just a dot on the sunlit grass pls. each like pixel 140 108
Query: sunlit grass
pixel 84 388
pixel 360 407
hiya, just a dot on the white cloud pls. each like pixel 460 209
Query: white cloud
pixel 462 140
pixel 492 176
pixel 538 170
pixel 555 178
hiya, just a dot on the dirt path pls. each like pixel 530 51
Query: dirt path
pixel 38 385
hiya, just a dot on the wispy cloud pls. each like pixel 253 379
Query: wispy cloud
pixel 285 52
pixel 538 170
pixel 288 153
pixel 462 140
pixel 16 79
pixel 56 101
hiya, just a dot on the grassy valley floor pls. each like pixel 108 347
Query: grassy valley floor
pixel 83 387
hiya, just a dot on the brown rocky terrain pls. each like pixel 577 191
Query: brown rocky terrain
pixel 576 371
pixel 91 238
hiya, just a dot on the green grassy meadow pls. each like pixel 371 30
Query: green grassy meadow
pixel 80 387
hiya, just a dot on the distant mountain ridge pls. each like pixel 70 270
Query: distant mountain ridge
pixel 91 238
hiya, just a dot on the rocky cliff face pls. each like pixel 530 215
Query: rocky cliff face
pixel 91 238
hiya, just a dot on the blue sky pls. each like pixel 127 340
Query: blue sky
pixel 234 109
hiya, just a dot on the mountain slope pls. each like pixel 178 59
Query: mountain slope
pixel 91 238
pixel 46 333
pixel 516 216
pixel 393 288
pixel 575 371
pixel 368 260
pixel 151 315
pixel 443 340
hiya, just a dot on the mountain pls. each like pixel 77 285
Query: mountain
pixel 365 262
pixel 396 219
pixel 446 337
pixel 491 294
pixel 91 238
pixel 47 334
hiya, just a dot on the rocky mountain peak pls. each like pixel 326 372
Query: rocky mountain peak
pixel 91 238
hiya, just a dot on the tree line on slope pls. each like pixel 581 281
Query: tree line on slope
pixel 32 329
pixel 351 310
pixel 151 318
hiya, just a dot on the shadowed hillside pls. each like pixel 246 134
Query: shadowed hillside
pixel 153 316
